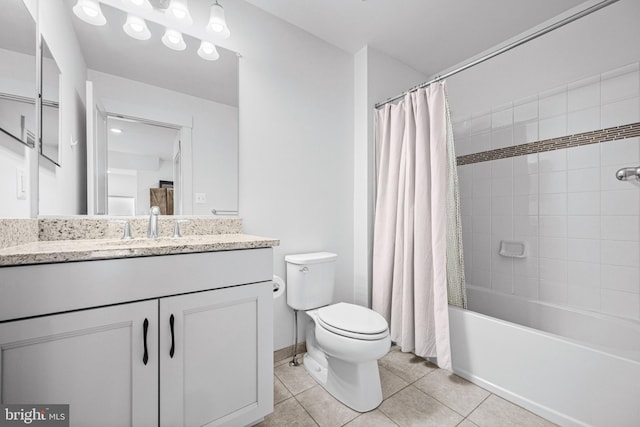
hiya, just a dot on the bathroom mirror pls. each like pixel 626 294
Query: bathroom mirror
pixel 145 82
pixel 50 113
pixel 18 91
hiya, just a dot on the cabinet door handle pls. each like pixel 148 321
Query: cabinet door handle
pixel 173 342
pixel 145 329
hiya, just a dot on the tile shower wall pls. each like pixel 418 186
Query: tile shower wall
pixel 580 224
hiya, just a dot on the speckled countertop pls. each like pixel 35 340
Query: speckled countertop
pixel 43 252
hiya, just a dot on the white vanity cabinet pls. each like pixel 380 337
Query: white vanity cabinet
pixel 190 345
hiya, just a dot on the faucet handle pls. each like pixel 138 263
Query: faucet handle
pixel 155 210
pixel 176 227
pixel 126 235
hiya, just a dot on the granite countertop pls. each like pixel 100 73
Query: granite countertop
pixel 44 252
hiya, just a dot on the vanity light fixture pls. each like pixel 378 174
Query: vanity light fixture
pixel 136 27
pixel 89 11
pixel 173 39
pixel 141 5
pixel 117 131
pixel 217 23
pixel 178 12
pixel 208 51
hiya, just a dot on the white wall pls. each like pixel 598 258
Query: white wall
pixel 214 132
pixel 377 77
pixel 580 223
pixel 63 189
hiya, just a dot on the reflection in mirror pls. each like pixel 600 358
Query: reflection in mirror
pixel 141 167
pixel 50 106
pixel 177 90
pixel 17 105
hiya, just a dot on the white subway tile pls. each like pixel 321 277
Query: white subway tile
pixel 552 127
pixel 554 182
pixel 525 225
pixel 621 112
pixel 481 223
pixel 531 245
pixel 468 268
pixel 502 205
pixel 621 278
pixel 526 267
pixel 553 226
pixel 584 94
pixel 500 264
pixel 585 156
pixel 502 186
pixel 482 206
pixel 481 277
pixel 620 202
pixel 551 161
pixel 624 253
pixel 460 126
pixel 584 180
pixel 480 123
pixel 583 227
pixel 586 298
pixel 553 292
pixel 502 227
pixel 501 138
pixel 525 184
pixel 463 146
pixel 502 117
pixel 482 170
pixel 481 251
pixel 466 206
pixel 584 250
pixel 587 203
pixel 525 132
pixel 553 247
pixel 620 86
pixel 525 165
pixel 621 303
pixel 553 270
pixel 482 187
pixel 584 274
pixel 501 282
pixel 553 204
pixel 502 168
pixel 553 103
pixel 624 151
pixel 526 110
pixel 621 227
pixel 465 181
pixel 526 287
pixel 584 120
pixel 525 205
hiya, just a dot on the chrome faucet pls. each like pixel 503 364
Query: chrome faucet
pixel 152 232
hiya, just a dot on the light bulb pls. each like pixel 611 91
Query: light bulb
pixel 217 22
pixel 135 27
pixel 89 11
pixel 208 51
pixel 173 40
pixel 179 12
pixel 141 5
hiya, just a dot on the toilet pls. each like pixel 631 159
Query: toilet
pixel 344 341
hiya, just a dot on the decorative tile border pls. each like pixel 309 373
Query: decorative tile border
pixel 602 135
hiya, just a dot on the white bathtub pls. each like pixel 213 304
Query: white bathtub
pixel 574 368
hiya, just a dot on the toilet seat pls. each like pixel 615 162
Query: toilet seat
pixel 353 321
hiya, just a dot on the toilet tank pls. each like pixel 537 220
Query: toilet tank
pixel 310 279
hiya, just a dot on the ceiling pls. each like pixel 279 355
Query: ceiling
pixel 17 28
pixel 428 35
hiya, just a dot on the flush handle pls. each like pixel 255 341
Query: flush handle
pixel 304 270
pixel 173 342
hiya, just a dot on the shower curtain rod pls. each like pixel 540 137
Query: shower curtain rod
pixel 504 49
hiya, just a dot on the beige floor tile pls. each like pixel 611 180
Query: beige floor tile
pixel 373 418
pixel 466 423
pixel 411 407
pixel 407 366
pixel 497 412
pixel 391 383
pixel 324 408
pixel 455 392
pixel 294 378
pixel 280 392
pixel 288 413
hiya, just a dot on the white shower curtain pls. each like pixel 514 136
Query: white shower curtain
pixel 410 245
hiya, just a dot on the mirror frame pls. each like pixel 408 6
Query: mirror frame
pixel 44 47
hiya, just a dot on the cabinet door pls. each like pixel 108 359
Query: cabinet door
pixel 91 360
pixel 220 371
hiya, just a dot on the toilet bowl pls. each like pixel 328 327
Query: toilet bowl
pixel 344 341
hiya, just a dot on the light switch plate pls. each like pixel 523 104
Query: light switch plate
pixel 21 187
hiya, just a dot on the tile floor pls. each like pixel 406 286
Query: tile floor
pixel 415 392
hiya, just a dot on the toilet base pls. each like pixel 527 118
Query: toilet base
pixel 355 385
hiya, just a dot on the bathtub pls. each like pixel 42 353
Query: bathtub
pixel 569 366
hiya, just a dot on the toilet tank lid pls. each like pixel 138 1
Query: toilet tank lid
pixel 311 258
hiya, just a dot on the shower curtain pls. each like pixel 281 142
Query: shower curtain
pixel 416 186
